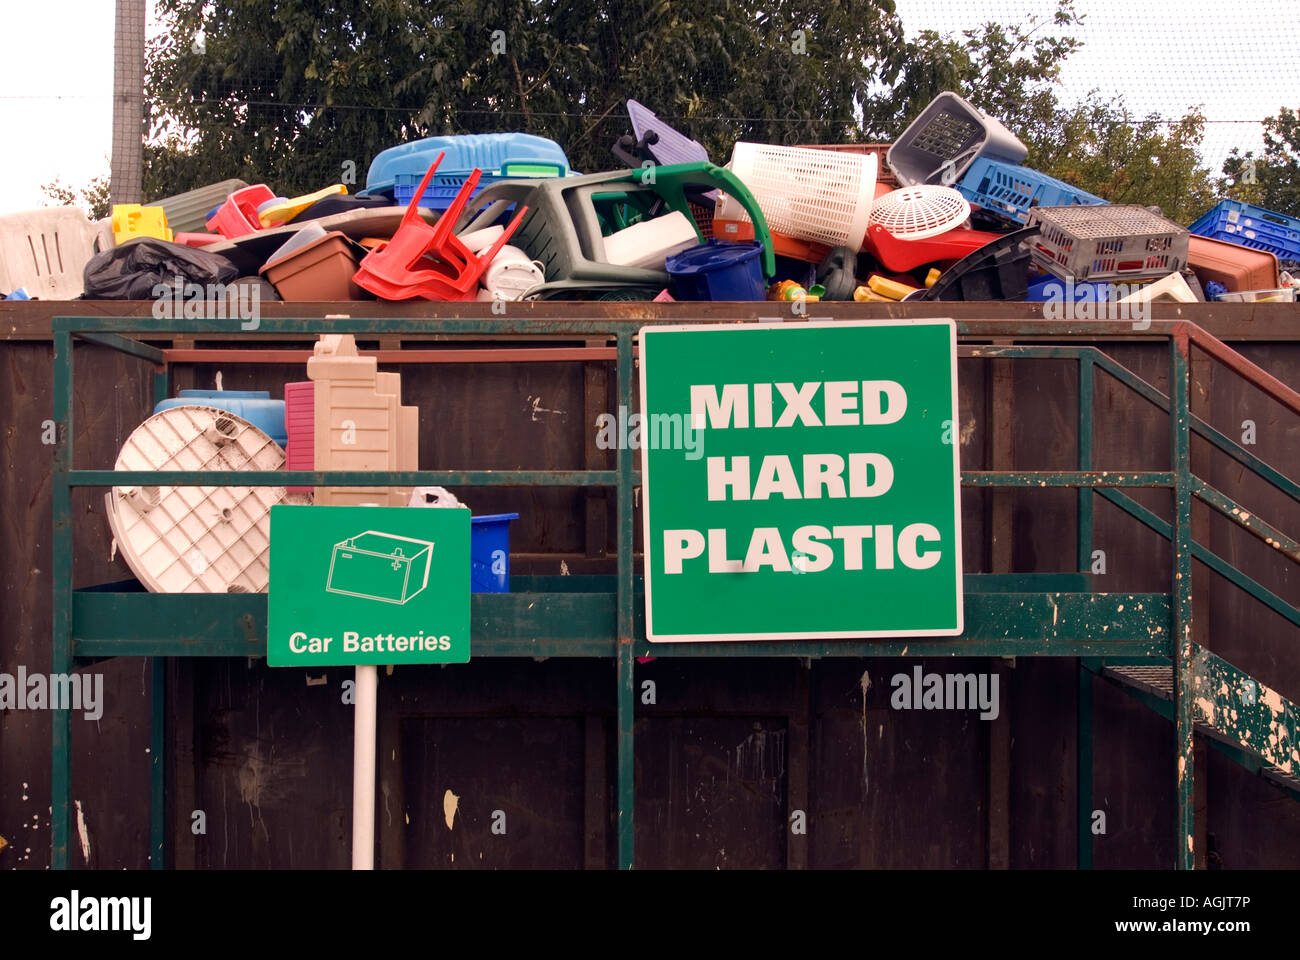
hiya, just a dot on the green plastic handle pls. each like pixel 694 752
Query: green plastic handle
pixel 532 169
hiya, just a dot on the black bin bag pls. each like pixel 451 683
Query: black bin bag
pixel 132 270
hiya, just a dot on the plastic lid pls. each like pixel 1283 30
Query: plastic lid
pixel 229 394
pixel 920 212
pixel 713 256
pixel 312 232
pixel 494 517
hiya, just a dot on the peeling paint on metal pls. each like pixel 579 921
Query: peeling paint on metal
pixel 83 834
pixel 450 803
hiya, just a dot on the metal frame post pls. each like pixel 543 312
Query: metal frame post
pixel 61 647
pixel 626 620
pixel 1083 712
pixel 158 719
pixel 1181 588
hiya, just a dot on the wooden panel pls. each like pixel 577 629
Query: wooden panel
pixel 711 792
pixel 894 788
pixel 490 792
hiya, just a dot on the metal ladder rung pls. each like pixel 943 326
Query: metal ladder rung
pixel 1158 681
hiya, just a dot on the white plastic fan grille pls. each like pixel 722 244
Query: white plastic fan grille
pixel 914 213
pixel 820 195
pixel 196 539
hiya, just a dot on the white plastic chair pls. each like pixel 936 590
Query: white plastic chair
pixel 46 251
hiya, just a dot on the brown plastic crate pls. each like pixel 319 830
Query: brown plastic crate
pixel 1231 264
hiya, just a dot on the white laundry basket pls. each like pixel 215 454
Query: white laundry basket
pixel 819 195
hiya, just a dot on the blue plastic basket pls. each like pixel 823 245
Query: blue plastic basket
pixel 443 187
pixel 1251 226
pixel 1009 190
pixel 489 553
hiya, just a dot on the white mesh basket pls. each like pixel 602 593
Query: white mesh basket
pixel 914 213
pixel 819 195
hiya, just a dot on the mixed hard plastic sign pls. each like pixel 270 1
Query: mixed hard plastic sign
pixel 368 585
pixel 801 481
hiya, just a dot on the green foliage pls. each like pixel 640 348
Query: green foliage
pixel 1008 71
pixel 285 92
pixel 93 198
pixel 1273 179
pixel 1099 146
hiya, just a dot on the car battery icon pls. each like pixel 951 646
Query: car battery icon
pixel 380 566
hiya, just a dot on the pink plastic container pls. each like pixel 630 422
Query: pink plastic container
pixel 300 425
pixel 237 217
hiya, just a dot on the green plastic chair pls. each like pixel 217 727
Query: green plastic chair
pixel 563 227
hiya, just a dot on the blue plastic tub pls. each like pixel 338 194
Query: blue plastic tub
pixel 489 152
pixel 489 553
pixel 1251 226
pixel 718 271
pixel 1054 288
pixel 1010 190
pixel 255 406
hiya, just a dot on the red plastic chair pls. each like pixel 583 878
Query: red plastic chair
pixel 429 261
pixel 237 217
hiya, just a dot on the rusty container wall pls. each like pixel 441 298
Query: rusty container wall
pixel 731 753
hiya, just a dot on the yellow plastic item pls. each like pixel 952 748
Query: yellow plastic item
pixel 933 276
pixel 789 290
pixel 133 220
pixel 864 294
pixel 890 289
pixel 782 290
pixel 286 211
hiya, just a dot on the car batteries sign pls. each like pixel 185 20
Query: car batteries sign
pixel 801 481
pixel 368 585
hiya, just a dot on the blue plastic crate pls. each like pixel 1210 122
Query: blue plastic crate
pixel 443 187
pixel 489 553
pixel 1010 191
pixel 489 152
pixel 1251 226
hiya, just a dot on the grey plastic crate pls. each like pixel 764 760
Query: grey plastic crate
pixel 945 139
pixel 1117 242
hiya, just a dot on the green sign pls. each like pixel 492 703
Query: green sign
pixel 352 585
pixel 801 480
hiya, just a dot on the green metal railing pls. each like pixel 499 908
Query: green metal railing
pixel 1005 616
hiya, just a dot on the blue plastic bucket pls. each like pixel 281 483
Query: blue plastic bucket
pixel 489 553
pixel 255 406
pixel 718 271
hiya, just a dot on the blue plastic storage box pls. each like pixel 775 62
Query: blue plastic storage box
pixel 489 152
pixel 443 187
pixel 1056 289
pixel 489 553
pixel 1251 226
pixel 718 271
pixel 1010 190
pixel 255 406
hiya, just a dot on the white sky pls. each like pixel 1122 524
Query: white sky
pixel 1241 61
